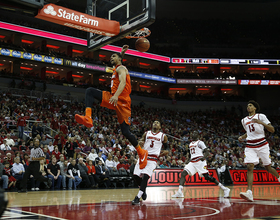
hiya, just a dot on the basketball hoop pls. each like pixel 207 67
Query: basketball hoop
pixel 144 32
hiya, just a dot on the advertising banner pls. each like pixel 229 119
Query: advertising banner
pixel 78 20
pixel 259 82
pixel 30 56
pixel 239 177
pixel 171 177
pixel 207 81
pixel 88 66
pixel 152 77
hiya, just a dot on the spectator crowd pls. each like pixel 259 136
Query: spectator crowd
pixel 78 156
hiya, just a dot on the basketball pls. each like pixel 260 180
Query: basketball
pixel 142 44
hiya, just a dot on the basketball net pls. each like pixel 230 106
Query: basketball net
pixel 144 32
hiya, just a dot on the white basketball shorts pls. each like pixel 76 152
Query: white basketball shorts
pixel 149 168
pixel 252 155
pixel 199 167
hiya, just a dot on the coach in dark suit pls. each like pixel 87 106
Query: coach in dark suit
pixel 102 174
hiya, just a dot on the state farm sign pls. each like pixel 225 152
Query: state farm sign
pixel 78 20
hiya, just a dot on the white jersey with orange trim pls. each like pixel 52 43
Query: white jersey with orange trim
pixel 196 150
pixel 153 143
pixel 255 132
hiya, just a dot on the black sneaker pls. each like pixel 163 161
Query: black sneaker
pixel 136 201
pixel 22 191
pixel 144 196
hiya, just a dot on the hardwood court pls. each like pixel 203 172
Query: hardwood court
pixel 200 202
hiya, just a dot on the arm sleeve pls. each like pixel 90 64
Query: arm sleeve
pixel 79 173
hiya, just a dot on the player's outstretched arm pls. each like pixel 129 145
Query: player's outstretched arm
pixel 124 49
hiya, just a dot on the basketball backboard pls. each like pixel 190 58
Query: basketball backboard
pixel 131 14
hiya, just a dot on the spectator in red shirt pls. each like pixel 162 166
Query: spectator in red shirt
pixel 59 137
pixel 64 128
pixel 21 123
pixel 91 174
pixel 122 165
pixel 54 124
pixel 56 153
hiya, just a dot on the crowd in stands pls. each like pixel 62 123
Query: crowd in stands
pixel 92 156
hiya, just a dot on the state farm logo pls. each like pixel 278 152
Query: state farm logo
pixel 70 15
pixel 50 10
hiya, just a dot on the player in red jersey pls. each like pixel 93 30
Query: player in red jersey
pixel 118 100
pixel 256 145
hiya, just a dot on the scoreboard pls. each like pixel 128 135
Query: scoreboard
pixel 195 60
pixel 249 62
pixel 223 61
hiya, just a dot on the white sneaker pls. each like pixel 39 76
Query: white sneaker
pixel 32 189
pixel 247 196
pixel 178 194
pixel 37 189
pixel 226 192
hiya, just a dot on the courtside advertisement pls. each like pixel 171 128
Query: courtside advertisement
pixel 171 177
pixel 239 177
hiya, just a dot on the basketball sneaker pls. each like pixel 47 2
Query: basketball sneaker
pixel 247 196
pixel 226 192
pixel 178 194
pixel 135 201
pixel 85 120
pixel 143 157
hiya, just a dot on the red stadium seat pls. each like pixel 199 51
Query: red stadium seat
pixel 14 148
pixel 14 138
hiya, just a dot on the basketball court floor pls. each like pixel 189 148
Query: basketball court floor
pixel 200 202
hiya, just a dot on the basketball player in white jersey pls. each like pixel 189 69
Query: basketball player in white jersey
pixel 153 141
pixel 256 145
pixel 197 164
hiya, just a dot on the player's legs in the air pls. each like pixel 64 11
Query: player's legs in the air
pixel 91 94
pixel 123 112
pixel 142 153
